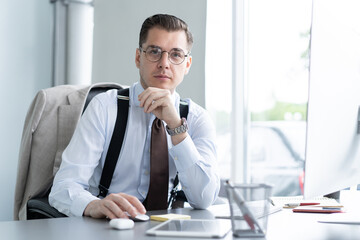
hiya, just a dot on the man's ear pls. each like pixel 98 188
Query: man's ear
pixel 137 58
pixel 188 64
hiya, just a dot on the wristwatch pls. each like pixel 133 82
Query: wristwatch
pixel 181 129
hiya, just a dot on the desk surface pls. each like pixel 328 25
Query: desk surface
pixel 282 225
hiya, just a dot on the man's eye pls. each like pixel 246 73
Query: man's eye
pixel 154 51
pixel 176 55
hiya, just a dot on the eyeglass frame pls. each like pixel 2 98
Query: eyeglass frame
pixel 185 55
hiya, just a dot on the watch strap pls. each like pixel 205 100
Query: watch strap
pixel 181 129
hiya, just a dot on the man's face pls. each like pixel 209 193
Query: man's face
pixel 163 74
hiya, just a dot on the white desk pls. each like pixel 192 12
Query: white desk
pixel 282 225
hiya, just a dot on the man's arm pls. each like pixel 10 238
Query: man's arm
pixel 195 160
pixel 69 193
pixel 194 152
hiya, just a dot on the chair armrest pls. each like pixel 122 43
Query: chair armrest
pixel 39 208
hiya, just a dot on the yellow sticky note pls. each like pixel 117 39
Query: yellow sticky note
pixel 165 217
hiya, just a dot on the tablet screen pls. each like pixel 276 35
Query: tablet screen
pixel 192 228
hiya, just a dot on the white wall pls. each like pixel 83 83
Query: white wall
pixel 116 34
pixel 25 67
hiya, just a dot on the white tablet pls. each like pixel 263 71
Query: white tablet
pixel 215 228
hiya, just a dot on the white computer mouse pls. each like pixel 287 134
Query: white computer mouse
pixel 122 223
pixel 141 218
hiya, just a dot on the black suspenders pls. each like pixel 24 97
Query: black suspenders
pixel 116 141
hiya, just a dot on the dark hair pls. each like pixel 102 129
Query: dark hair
pixel 169 23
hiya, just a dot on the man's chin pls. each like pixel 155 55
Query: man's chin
pixel 162 85
pixel 159 84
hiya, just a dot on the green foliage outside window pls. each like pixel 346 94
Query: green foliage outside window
pixel 279 111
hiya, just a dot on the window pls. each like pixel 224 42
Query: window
pixel 275 57
pixel 218 76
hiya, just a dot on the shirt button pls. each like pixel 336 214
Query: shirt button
pixel 146 172
pixel 175 158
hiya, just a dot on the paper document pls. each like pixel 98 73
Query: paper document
pixel 165 217
pixel 290 202
pixel 341 218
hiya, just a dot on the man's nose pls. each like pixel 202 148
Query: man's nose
pixel 164 60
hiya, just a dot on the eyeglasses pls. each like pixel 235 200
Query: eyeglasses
pixel 176 56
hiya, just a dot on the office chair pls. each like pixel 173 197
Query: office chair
pixel 49 125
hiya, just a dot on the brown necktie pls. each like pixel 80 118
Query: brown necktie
pixel 156 198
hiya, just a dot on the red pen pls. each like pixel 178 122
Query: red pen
pixel 308 203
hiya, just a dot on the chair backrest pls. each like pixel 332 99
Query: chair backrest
pixel 48 128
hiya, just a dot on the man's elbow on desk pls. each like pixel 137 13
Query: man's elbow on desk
pixel 203 204
pixel 204 200
pixel 200 206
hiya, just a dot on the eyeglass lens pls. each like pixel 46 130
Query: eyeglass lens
pixel 176 56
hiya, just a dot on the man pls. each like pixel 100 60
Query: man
pixel 163 59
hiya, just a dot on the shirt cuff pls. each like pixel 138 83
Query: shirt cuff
pixel 184 154
pixel 79 204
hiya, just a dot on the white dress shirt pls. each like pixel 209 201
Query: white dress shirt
pixel 76 183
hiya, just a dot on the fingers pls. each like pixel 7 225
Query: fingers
pixel 130 204
pixel 152 98
pixel 154 105
pixel 111 210
pixel 115 206
pixel 136 203
pixel 159 102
